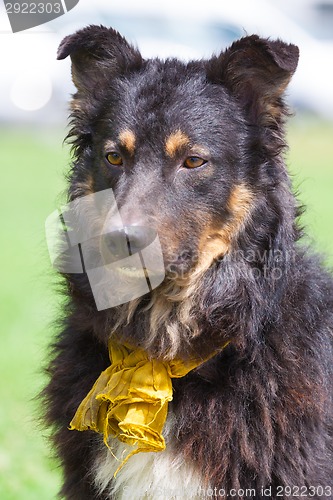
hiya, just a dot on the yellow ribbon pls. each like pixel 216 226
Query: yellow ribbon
pixel 129 400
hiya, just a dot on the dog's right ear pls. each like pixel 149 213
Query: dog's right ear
pixel 98 54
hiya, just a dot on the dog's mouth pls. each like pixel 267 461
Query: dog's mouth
pixel 133 254
pixel 138 272
pixel 131 271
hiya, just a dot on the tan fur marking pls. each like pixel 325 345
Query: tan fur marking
pixel 127 139
pixel 176 141
pixel 216 243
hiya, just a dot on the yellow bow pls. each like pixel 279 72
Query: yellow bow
pixel 129 400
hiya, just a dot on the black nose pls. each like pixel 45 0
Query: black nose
pixel 139 237
pixel 129 240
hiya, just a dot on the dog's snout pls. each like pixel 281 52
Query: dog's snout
pixel 116 243
pixel 138 237
pixel 129 240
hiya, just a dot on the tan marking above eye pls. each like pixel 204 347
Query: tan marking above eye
pixel 127 140
pixel 175 142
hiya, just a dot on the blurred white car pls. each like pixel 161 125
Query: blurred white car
pixel 175 28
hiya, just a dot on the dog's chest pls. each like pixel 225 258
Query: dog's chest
pixel 150 476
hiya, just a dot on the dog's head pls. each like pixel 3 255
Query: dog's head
pixel 189 149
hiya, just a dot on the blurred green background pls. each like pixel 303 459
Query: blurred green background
pixel 33 163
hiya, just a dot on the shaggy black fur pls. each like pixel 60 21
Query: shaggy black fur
pixel 260 413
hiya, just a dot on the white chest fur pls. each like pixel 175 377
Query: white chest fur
pixel 150 476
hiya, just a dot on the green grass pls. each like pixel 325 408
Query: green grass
pixel 310 161
pixel 32 165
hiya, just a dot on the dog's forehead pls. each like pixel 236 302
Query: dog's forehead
pixel 170 104
pixel 162 91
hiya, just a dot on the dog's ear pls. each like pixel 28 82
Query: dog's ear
pixel 97 54
pixel 256 71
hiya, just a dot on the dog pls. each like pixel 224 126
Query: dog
pixel 195 151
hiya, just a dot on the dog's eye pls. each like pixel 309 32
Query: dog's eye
pixel 194 162
pixel 114 158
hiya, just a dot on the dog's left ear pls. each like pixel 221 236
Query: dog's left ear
pixel 256 71
pixel 98 54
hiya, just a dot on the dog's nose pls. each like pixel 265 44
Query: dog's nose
pixel 117 244
pixel 139 237
pixel 129 240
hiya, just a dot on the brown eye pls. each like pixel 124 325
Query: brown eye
pixel 194 162
pixel 114 158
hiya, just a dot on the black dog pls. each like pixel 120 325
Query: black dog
pixel 196 151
